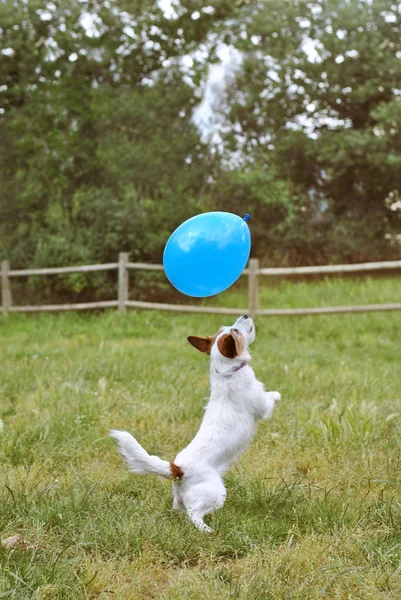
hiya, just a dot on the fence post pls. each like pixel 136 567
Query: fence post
pixel 253 303
pixel 122 281
pixel 5 287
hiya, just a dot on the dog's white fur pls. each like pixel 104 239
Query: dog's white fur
pixel 237 401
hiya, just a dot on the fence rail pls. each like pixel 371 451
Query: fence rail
pixel 123 266
pixel 327 269
pixel 63 270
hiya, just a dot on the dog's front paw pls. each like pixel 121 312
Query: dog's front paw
pixel 271 400
pixel 276 397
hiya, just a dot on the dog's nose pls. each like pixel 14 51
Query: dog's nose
pixel 245 317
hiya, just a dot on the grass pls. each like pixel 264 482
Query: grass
pixel 313 507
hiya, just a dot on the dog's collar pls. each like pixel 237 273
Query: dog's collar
pixel 234 370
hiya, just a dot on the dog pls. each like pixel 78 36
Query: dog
pixel 237 401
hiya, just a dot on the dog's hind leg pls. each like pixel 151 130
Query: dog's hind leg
pixel 203 499
pixel 197 519
pixel 177 500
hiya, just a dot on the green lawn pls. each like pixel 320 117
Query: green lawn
pixel 313 507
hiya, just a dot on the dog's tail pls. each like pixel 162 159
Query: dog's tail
pixel 139 461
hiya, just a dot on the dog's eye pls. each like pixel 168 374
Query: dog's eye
pixel 236 330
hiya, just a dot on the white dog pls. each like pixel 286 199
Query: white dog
pixel 237 401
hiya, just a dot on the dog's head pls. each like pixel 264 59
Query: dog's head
pixel 229 342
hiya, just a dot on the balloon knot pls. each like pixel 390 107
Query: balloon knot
pixel 247 217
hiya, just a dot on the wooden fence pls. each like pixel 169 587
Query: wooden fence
pixel 123 266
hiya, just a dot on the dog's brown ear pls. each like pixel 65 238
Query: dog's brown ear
pixel 204 344
pixel 227 346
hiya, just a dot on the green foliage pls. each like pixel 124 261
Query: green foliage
pixel 99 152
pixel 271 201
pixel 317 99
pixel 100 162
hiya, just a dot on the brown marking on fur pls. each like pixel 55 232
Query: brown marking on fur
pixel 232 344
pixel 176 471
pixel 227 346
pixel 203 344
pixel 240 343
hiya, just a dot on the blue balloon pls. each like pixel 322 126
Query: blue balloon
pixel 206 254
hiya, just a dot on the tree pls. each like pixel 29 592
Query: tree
pixel 100 153
pixel 317 101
